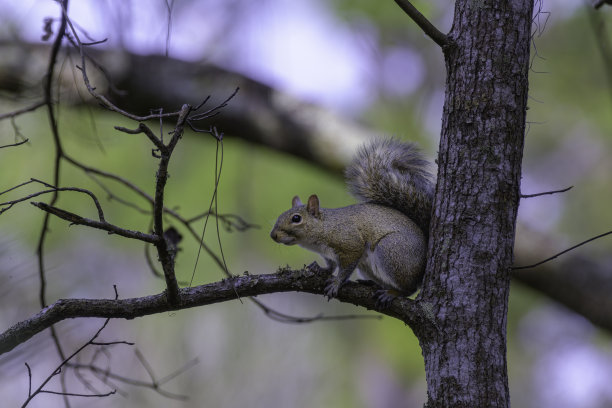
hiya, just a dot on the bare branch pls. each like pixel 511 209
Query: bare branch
pixel 213 111
pixel 29 379
pixel 166 252
pixel 229 221
pixel 103 225
pixel 428 28
pixel 286 318
pixel 111 176
pixel 72 394
pixel 546 192
pixel 21 111
pixel 112 196
pixel 54 190
pixel 92 91
pixel 104 375
pixel 310 279
pixel 562 252
pixel 147 197
pixel 57 157
pixel 221 262
pixel 80 190
pixel 48 101
pixel 17 186
pixel 155 384
pixel 15 144
pixel 142 128
pixel 58 370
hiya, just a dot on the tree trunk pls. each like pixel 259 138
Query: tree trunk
pixel 472 231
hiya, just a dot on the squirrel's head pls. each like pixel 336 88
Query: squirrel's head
pixel 293 225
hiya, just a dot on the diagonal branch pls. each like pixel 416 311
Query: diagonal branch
pixel 15 144
pixel 103 225
pixel 21 111
pixel 428 28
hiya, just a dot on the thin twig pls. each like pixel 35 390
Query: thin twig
pixel 21 111
pixel 29 379
pixel 230 221
pixel 143 194
pixel 562 252
pixel 15 144
pixel 546 192
pixel 112 196
pixel 102 225
pixel 101 98
pixel 200 239
pixel 142 128
pixel 54 190
pixel 104 375
pixel 111 176
pixel 151 264
pixel 17 186
pixel 72 394
pixel 80 190
pixel 58 370
pixel 213 111
pixel 111 85
pixel 286 318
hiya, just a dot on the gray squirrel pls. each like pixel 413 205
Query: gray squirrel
pixel 385 235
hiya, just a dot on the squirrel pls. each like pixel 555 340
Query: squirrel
pixel 384 236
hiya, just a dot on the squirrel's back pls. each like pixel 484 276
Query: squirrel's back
pixel 394 174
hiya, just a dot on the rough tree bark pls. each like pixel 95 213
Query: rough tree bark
pixel 472 231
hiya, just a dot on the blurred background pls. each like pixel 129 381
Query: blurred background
pixel 342 71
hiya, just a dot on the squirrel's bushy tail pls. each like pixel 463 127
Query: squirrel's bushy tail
pixel 393 174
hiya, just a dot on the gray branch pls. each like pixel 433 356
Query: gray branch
pixel 309 280
pixel 428 28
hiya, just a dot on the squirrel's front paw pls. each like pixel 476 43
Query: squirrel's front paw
pixel 384 297
pixel 327 270
pixel 331 287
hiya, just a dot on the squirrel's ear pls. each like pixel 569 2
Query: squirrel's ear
pixel 296 202
pixel 313 205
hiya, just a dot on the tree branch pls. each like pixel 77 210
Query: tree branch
pixel 546 192
pixel 103 225
pixel 21 111
pixel 167 252
pixel 310 279
pixel 428 28
pixel 15 144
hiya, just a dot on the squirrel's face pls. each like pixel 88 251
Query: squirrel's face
pixel 292 226
pixel 289 227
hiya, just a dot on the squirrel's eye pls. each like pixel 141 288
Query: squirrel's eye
pixel 296 218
